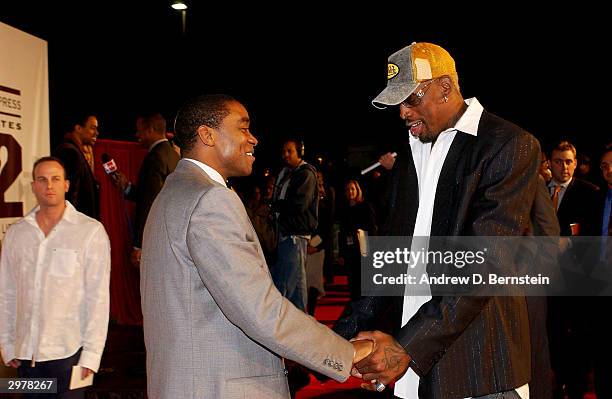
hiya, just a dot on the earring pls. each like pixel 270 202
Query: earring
pixel 445 99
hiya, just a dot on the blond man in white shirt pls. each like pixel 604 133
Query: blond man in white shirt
pixel 54 286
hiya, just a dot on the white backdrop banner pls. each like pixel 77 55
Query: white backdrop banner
pixel 24 119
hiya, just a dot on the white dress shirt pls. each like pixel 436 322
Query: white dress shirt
pixel 212 173
pixel 54 290
pixel 156 143
pixel 428 162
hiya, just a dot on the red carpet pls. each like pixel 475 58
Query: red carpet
pixel 329 308
pixel 333 389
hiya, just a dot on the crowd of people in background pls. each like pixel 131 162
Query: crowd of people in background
pixel 362 203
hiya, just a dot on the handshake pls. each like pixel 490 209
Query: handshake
pixel 379 359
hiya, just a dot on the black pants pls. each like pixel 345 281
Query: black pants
pixel 60 369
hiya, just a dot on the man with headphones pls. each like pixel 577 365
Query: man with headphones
pixel 295 206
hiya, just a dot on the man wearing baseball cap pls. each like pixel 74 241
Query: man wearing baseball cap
pixel 464 172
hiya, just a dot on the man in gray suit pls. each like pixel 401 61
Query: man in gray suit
pixel 215 326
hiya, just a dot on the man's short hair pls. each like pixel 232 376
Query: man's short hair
pixel 208 110
pixel 48 159
pixel 155 121
pixel 564 146
pixel 79 118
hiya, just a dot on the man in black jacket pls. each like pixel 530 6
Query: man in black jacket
pixel 160 161
pixel 573 198
pixel 602 367
pixel 570 319
pixel 465 172
pixel 295 204
pixel 75 153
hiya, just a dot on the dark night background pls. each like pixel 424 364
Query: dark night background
pixel 311 70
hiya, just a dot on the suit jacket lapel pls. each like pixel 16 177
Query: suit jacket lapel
pixel 446 191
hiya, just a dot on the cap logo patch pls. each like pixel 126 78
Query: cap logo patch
pixel 392 70
pixel 423 69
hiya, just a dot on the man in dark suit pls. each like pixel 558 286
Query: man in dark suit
pixel 75 153
pixel 465 172
pixel 543 223
pixel 574 198
pixel 605 198
pixel 571 319
pixel 603 369
pixel 156 166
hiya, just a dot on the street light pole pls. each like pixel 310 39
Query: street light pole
pixel 179 5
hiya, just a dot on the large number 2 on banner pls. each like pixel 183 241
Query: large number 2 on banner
pixel 10 169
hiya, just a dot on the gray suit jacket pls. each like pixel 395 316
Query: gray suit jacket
pixel 215 326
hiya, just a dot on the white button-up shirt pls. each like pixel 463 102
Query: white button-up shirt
pixel 54 290
pixel 428 162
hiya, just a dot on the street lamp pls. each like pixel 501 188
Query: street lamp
pixel 179 5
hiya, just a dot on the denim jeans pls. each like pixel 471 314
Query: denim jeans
pixel 289 271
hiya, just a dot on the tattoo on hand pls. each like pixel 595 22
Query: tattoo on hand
pixel 394 357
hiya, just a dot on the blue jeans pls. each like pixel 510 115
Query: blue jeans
pixel 289 271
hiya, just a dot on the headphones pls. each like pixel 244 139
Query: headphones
pixel 299 147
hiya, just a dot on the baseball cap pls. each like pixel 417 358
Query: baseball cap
pixel 410 66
